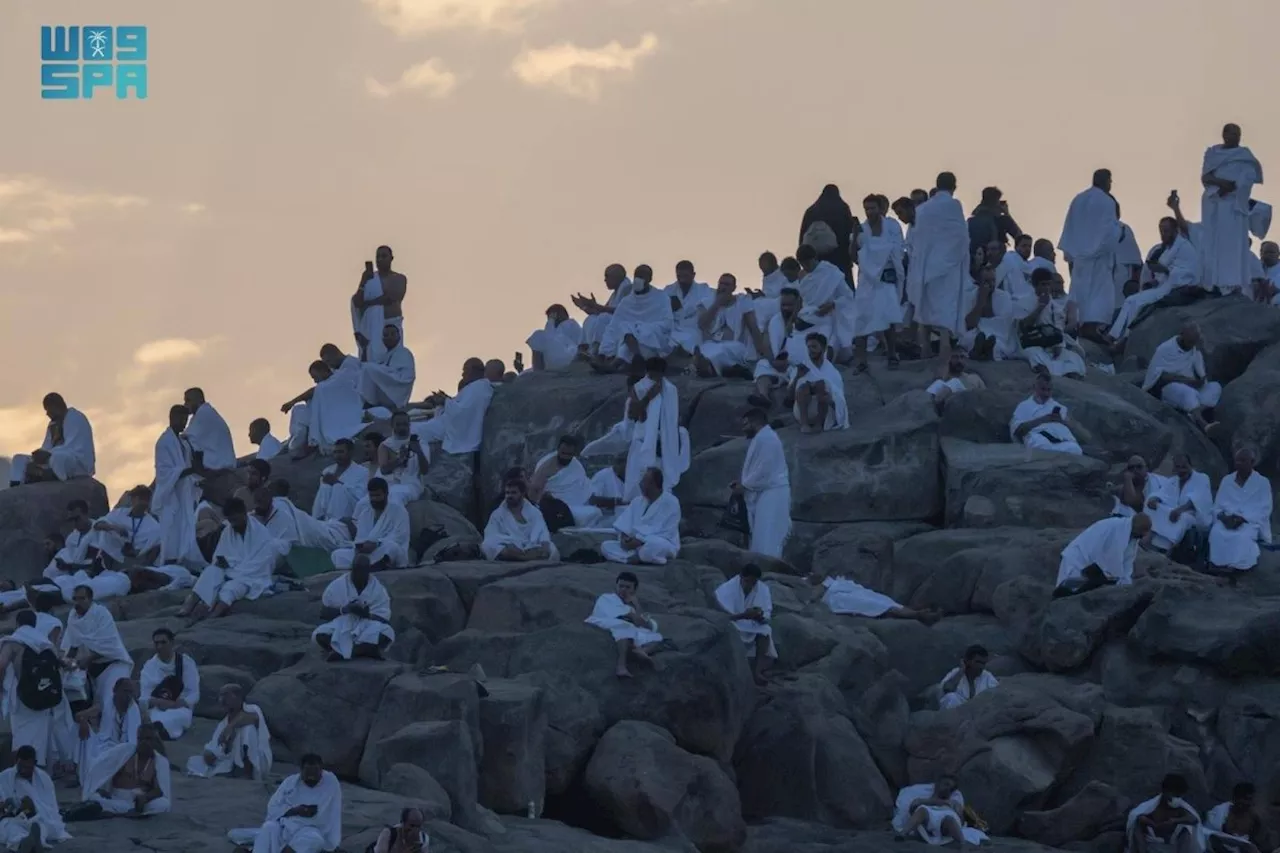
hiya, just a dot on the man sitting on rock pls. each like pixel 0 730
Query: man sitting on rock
pixel 1041 423
pixel 407 836
pixel 560 475
pixel 93 640
pixel 619 613
pixel 242 565
pixel 845 596
pixel 458 422
pixel 606 491
pixel 358 609
pixel 785 337
pixel 516 531
pixel 402 462
pixel 747 600
pixel 934 813
pixel 127 536
pixel 1166 820
pixel 269 447
pixel 1139 490
pixel 67 451
pixel 30 820
pixel 1102 555
pixel 382 532
pixel 81 561
pixel 257 475
pixel 967 680
pixel 329 535
pixel 1177 375
pixel 240 745
pixel 1241 517
pixel 1183 503
pixel 954 379
pixel 331 410
pixel 170 686
pixel 819 390
pixel 131 778
pixel 649 528
pixel 304 815
pixel 342 485
pixel 1235 826
pixel 107 725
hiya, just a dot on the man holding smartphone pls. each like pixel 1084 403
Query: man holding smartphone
pixel 378 301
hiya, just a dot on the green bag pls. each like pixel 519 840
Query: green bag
pixel 304 562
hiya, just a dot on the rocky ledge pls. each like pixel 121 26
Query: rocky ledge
pixel 1101 695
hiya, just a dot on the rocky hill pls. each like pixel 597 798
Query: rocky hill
pixel 1100 694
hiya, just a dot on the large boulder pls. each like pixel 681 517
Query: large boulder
pixel 325 708
pixel 410 697
pixel 1009 747
pixel 30 513
pixel 513 731
pixel 1232 328
pixel 997 485
pixel 1249 411
pixel 247 642
pixel 653 789
pixel 801 757
pixel 883 468
pixel 1237 635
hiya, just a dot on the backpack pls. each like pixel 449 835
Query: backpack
pixel 555 513
pixel 820 236
pixel 40 679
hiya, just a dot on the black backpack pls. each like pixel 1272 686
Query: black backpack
pixel 40 679
pixel 171 686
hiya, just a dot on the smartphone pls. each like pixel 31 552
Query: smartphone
pixel 368 266
pixel 1057 410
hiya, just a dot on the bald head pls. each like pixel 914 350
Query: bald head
pixel 494 370
pixel 1189 335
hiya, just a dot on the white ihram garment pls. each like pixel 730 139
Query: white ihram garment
pixel 607 614
pixel 964 690
pixel 732 600
pixel 1067 357
pixel 781 340
pixel 661 426
pixel 318 834
pixel 404 483
pixel 1171 358
pixel 391 529
pixel 1215 821
pixel 571 486
pixel 595 325
pixel 141 532
pixel 459 427
pixel 1173 493
pixel 558 343
pixel 1090 237
pixel 175 720
pixel 606 483
pixel 767 485
pixel 14 830
pixel 1146 808
pixel 174 500
pixel 121 802
pixel 877 303
pixel 648 317
pixel 1238 549
pixel 1107 544
pixel 388 380
pixel 209 434
pixel 838 410
pixel 826 283
pixel 310 532
pixel 50 733
pixel 728 342
pixel 848 597
pixel 96 632
pixel 1224 220
pixel 1183 263
pixel 685 333
pixel 73 457
pixel 251 559
pixel 1013 276
pixel 503 529
pixel 655 524
pixel 336 410
pixel 339 501
pixel 346 631
pixel 939 263
pixel 370 321
pixel 114 728
pixel 931 831
pixel 1001 325
pixel 255 740
pixel 1052 435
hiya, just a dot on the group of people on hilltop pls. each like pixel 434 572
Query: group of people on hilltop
pixel 928 273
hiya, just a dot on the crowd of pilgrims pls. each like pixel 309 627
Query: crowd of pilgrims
pixel 928 281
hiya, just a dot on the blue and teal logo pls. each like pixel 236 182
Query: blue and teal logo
pixel 76 62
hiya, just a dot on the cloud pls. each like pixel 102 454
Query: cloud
pixel 193 208
pixel 418 17
pixel 578 71
pixel 431 78
pixel 34 209
pixel 166 351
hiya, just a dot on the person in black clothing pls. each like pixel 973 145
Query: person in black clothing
pixel 990 221
pixel 831 209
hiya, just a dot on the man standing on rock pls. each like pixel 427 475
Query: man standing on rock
pixel 377 303
pixel 765 485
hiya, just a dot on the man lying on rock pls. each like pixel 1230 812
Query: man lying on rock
pixel 934 814
pixel 848 597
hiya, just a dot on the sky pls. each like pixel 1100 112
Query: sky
pixel 508 150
